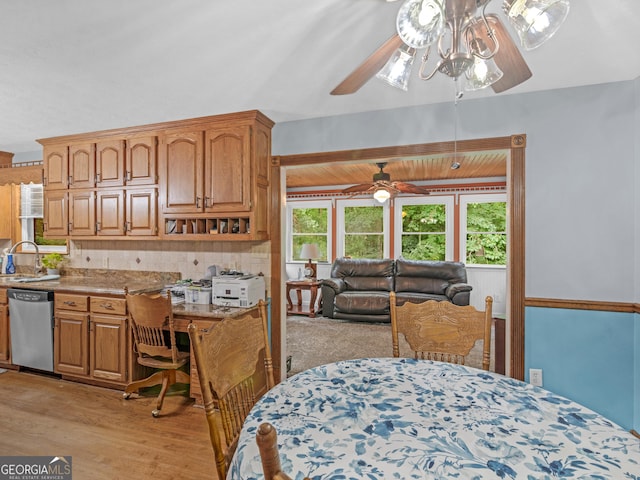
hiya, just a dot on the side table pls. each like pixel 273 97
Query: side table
pixel 298 286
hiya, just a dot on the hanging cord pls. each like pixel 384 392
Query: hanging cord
pixel 458 95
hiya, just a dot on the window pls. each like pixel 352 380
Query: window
pixel 424 228
pixel 32 221
pixel 484 229
pixel 309 222
pixel 363 227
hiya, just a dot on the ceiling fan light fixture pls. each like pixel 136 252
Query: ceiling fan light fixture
pixel 397 70
pixel 484 71
pixel 420 22
pixel 382 195
pixel 536 21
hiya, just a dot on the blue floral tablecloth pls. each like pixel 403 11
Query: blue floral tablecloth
pixel 397 418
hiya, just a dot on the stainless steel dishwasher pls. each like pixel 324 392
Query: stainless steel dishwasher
pixel 31 317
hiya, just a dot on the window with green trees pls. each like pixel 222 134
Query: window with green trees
pixel 424 234
pixel 309 224
pixel 364 235
pixel 485 235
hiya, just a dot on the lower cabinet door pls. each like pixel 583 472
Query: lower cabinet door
pixel 71 343
pixel 109 347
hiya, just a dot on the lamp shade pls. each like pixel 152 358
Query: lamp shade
pixel 310 251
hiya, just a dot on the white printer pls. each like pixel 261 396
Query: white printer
pixel 237 291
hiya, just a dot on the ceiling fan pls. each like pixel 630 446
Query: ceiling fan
pixel 383 188
pixel 469 43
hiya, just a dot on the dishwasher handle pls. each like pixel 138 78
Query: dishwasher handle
pixel 29 295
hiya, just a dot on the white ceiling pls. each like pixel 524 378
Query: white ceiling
pixel 73 66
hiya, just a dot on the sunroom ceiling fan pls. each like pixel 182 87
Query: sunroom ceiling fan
pixel 471 44
pixel 383 188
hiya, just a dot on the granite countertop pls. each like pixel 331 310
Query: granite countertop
pixel 98 281
pixel 113 282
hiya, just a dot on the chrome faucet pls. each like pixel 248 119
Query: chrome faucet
pixel 36 262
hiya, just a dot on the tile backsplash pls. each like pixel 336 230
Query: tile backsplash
pixel 190 258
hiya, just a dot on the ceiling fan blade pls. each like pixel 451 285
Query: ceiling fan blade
pixel 509 59
pixel 363 187
pixel 368 68
pixel 409 188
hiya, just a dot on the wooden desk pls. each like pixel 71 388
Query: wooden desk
pixel 298 286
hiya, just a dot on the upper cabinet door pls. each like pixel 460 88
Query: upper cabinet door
pixel 82 165
pixel 56 167
pixel 227 181
pixel 181 171
pixel 142 161
pixel 56 214
pixel 110 163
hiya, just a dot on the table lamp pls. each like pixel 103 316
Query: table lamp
pixel 310 251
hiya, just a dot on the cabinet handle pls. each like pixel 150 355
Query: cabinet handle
pixel 45 181
pixel 44 226
pixel 98 178
pixel 128 176
pixel 127 226
pixel 70 180
pixel 207 202
pixel 97 226
pixel 197 202
pixel 106 306
pixel 71 303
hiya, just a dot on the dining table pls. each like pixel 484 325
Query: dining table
pixel 400 418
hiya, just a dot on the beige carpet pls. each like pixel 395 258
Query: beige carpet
pixel 317 341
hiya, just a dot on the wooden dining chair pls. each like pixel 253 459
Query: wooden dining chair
pixel 441 331
pixel 227 358
pixel 151 320
pixel 267 440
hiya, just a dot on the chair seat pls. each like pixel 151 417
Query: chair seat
pixel 165 363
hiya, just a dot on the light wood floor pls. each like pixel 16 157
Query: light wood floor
pixel 107 437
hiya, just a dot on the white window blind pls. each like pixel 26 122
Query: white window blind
pixel 31 200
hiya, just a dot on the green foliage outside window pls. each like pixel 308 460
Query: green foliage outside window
pixel 424 232
pixel 487 233
pixel 364 232
pixel 309 225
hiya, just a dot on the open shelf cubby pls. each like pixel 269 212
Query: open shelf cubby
pixel 206 226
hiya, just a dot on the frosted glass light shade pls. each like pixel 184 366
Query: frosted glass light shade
pixel 397 70
pixel 420 22
pixel 536 21
pixel 381 195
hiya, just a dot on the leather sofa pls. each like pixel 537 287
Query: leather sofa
pixel 359 289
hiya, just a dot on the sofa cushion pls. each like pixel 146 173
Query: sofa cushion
pixel 365 274
pixel 362 302
pixel 430 277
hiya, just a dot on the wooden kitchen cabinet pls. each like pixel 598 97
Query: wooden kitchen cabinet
pixel 110 163
pixel 108 339
pixel 55 159
pixel 211 176
pixel 227 170
pixel 182 168
pixel 82 165
pixel 82 212
pixel 127 212
pixel 56 213
pixel 71 335
pixel 142 161
pixel 91 338
pixel 5 338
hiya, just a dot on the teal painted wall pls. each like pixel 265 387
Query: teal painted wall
pixel 587 356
